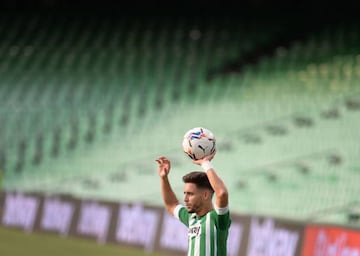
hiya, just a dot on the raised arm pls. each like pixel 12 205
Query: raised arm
pixel 168 195
pixel 221 192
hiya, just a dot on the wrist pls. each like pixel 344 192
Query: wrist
pixel 164 177
pixel 206 165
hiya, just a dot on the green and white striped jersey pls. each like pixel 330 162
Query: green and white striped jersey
pixel 207 235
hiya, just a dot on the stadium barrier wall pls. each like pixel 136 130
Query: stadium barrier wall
pixel 153 229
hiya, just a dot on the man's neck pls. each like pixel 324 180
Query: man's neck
pixel 204 210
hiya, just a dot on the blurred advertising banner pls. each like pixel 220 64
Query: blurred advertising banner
pixel 20 210
pixel 136 225
pixel 269 236
pixel 92 219
pixel 55 214
pixel 331 241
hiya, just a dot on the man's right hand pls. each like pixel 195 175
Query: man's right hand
pixel 206 158
pixel 164 166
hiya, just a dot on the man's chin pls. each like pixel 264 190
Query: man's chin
pixel 190 210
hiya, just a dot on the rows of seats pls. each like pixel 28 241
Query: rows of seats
pixel 74 79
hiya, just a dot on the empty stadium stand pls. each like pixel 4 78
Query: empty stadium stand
pixel 88 103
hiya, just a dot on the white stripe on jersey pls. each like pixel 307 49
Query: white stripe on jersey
pixel 215 241
pixel 208 236
pixel 197 246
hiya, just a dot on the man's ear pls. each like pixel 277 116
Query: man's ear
pixel 207 194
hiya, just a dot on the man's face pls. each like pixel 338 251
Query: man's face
pixel 193 197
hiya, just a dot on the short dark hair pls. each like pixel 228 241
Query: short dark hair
pixel 200 179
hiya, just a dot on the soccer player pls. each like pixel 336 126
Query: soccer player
pixel 208 224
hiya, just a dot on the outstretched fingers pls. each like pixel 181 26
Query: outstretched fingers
pixel 161 160
pixel 164 165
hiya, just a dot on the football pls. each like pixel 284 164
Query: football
pixel 199 142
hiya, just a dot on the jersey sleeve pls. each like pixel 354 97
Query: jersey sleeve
pixel 223 217
pixel 182 214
